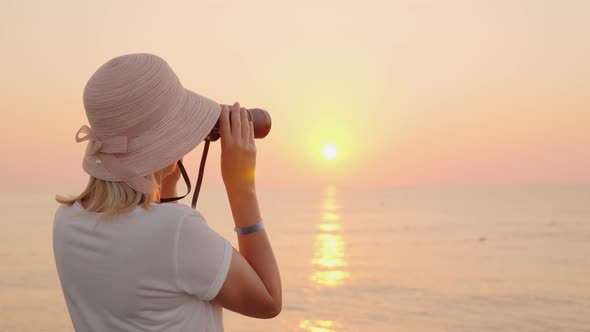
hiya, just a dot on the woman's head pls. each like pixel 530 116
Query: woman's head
pixel 115 197
pixel 141 119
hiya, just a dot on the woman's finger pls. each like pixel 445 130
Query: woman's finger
pixel 245 124
pixel 251 133
pixel 224 129
pixel 236 130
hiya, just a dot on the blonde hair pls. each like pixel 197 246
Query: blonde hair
pixel 111 198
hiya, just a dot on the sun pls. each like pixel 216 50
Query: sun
pixel 329 152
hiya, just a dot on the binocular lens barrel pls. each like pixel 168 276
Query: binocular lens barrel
pixel 261 121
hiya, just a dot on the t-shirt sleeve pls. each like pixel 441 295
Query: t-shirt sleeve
pixel 202 257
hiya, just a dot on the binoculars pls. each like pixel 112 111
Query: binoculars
pixel 259 117
pixel 261 122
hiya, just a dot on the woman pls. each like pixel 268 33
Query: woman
pixel 127 263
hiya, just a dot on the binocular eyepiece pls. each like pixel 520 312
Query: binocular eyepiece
pixel 259 117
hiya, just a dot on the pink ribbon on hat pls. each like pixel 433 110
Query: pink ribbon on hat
pixel 108 147
pixel 117 144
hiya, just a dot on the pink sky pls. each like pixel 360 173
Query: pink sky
pixel 410 93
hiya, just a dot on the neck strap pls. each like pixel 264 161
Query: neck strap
pixel 187 180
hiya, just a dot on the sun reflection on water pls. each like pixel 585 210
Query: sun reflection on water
pixel 329 227
pixel 330 216
pixel 320 325
pixel 329 260
pixel 329 253
pixel 330 204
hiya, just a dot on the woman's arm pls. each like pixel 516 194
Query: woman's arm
pixel 253 283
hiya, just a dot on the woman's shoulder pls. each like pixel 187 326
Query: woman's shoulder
pixel 177 207
pixel 159 211
pixel 181 210
pixel 185 217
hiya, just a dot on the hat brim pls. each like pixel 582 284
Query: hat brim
pixel 170 140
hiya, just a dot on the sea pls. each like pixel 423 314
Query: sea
pixel 473 258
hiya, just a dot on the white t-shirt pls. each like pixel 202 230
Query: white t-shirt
pixel 149 270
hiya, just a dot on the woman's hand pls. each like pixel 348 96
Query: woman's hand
pixel 238 150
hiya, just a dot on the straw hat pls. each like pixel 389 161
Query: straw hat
pixel 141 120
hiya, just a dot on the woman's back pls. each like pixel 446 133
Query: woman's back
pixel 148 270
